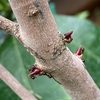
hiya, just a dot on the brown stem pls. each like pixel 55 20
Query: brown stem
pixel 21 91
pixel 9 26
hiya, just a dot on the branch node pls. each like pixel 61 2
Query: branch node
pixel 33 11
pixel 35 70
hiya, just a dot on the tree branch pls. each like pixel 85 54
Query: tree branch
pixel 39 34
pixel 9 26
pixel 15 85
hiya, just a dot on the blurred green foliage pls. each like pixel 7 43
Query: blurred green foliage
pixel 17 60
pixel 5 9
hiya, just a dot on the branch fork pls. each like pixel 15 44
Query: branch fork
pixel 39 34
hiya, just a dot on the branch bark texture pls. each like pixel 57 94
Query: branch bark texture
pixel 15 85
pixel 39 34
pixel 9 26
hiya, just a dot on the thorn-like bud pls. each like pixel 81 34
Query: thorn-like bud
pixel 79 52
pixel 34 71
pixel 31 68
pixel 67 37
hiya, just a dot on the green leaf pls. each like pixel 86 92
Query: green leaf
pixel 17 60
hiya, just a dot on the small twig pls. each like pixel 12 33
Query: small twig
pixel 21 91
pixel 9 26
